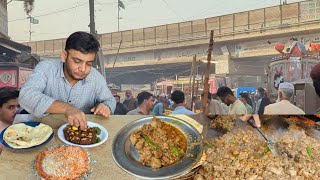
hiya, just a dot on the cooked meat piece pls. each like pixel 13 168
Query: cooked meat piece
pixel 155 163
pixel 155 122
pixel 134 138
pixel 140 144
pixel 146 129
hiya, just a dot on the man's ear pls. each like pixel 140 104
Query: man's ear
pixel 64 56
pixel 280 96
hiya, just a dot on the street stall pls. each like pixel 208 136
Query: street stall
pixel 296 65
pixel 306 97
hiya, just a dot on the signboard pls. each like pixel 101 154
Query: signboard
pixel 309 10
pixel 8 78
pixel 23 75
pixel 3 21
pixel 13 78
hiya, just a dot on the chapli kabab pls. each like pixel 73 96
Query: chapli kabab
pixel 159 144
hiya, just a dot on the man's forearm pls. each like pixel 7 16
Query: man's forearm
pixel 59 107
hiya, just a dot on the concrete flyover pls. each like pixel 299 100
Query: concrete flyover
pixel 244 42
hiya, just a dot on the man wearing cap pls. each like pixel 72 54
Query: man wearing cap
pixel 285 92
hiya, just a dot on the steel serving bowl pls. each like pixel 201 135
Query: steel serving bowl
pixel 127 158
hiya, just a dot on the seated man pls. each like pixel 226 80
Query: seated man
pixel 284 107
pixel 8 107
pixel 178 98
pixel 121 109
pixel 71 86
pixel 227 97
pixel 145 104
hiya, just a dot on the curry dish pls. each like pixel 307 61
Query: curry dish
pixel 159 144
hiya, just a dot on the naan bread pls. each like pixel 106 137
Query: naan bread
pixel 22 136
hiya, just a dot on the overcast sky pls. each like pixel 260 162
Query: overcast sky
pixel 59 18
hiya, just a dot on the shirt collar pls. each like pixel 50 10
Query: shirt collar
pixel 180 107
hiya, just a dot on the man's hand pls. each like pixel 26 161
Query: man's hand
pixel 255 117
pixel 76 118
pixel 102 110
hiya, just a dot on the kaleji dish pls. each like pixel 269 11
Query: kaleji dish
pixel 159 144
pixel 75 135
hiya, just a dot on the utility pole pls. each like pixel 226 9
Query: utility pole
pixel 206 77
pixel 194 61
pixel 30 32
pixel 118 16
pixel 92 24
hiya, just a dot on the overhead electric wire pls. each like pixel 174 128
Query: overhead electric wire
pixel 173 10
pixel 54 12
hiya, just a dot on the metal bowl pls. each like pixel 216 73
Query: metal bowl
pixel 127 158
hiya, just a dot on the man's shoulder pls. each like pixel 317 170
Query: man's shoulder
pixel 133 112
pixel 48 65
pixel 133 99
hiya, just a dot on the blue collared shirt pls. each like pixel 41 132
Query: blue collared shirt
pixel 182 110
pixel 158 109
pixel 47 84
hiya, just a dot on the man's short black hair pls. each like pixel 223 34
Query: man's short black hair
pixel 83 42
pixel 177 96
pixel 8 93
pixel 144 95
pixel 316 84
pixel 223 91
pixel 315 75
pixel 116 96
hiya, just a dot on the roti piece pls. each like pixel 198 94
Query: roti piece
pixel 63 163
pixel 22 136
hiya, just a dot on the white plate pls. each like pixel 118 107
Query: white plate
pixel 103 136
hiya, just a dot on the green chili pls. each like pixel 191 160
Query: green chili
pixel 150 143
pixel 309 150
pixel 266 149
pixel 175 151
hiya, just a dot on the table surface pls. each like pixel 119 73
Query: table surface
pixel 17 164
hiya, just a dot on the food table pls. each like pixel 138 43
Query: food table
pixel 17 164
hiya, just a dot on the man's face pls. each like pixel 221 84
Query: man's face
pixel 8 111
pixel 77 64
pixel 150 102
pixel 226 100
pixel 243 100
pixel 128 94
